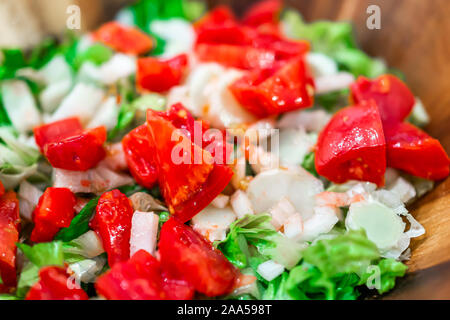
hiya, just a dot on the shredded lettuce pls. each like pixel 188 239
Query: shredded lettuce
pixel 39 255
pixel 335 39
pixel 257 231
pixel 97 54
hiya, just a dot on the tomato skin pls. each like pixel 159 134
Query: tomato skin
pixel 140 278
pixel 394 99
pixel 78 152
pixel 186 254
pixel 112 222
pixel 158 75
pixel 235 56
pixel 352 146
pixel 53 285
pixel 2 189
pixel 415 152
pixel 139 156
pixel 188 175
pixel 263 12
pixel 57 130
pixel 271 92
pixel 220 15
pixel 123 39
pixel 9 236
pixel 55 210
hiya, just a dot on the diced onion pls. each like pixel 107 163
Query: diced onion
pixel 269 270
pixel 241 204
pixel 144 232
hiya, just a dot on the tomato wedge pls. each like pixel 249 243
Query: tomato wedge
pixel 219 16
pixel 123 39
pixel 78 152
pixel 141 278
pixel 415 152
pixel 54 211
pixel 9 236
pixel 271 92
pixel 188 177
pixel 187 255
pixel 112 222
pixel 139 156
pixel 352 146
pixel 158 75
pixel 57 130
pixel 263 12
pixel 55 284
pixel 393 97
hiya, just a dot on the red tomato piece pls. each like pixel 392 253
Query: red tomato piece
pixel 78 152
pixel 139 156
pixel 271 92
pixel 186 254
pixel 2 189
pixel 140 278
pixel 236 56
pixel 221 15
pixel 183 166
pixel 283 49
pixel 57 130
pixel 352 146
pixel 158 75
pixel 9 236
pixel 112 222
pixel 263 12
pixel 55 284
pixel 54 211
pixel 123 39
pixel 188 177
pixel 393 97
pixel 415 152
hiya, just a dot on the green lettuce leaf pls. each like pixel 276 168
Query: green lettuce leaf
pixel 97 54
pixel 39 255
pixel 337 40
pixel 390 269
pixel 79 224
pixel 309 164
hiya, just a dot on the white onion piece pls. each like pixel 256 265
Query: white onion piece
pixel 321 64
pixel 213 223
pixel 403 189
pixel 20 105
pixel 299 187
pixel 29 197
pixel 293 227
pixel 269 270
pixel 335 82
pixel 144 232
pixel 281 212
pixel 321 222
pixel 96 180
pixel 311 121
pixel 106 115
pixel 221 201
pixel 178 34
pixel 294 146
pixel 90 243
pixel 118 67
pixel 82 102
pixel 241 204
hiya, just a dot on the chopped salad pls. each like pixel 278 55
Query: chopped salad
pixel 176 153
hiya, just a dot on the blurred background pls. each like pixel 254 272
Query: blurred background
pixel 414 36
